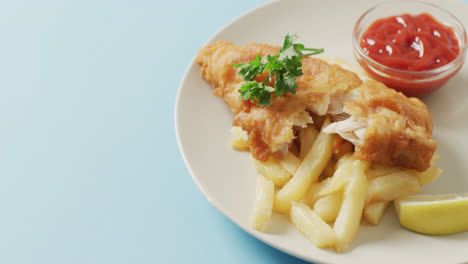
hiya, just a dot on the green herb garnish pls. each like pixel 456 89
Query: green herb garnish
pixel 285 65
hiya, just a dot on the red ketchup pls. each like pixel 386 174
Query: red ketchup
pixel 411 43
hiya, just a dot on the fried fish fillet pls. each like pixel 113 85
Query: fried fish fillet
pixel 385 126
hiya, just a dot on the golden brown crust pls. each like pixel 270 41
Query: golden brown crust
pixel 398 128
pixel 272 125
pixel 321 82
pixel 215 60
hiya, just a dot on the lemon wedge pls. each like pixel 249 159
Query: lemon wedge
pixel 434 214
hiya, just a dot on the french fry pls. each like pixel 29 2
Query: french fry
pixel 341 175
pixel 312 194
pixel 373 213
pixel 261 215
pixel 312 226
pixel 329 206
pixel 318 121
pixel 393 186
pixel 345 147
pixel 429 175
pixel 307 137
pixel 329 169
pixel 290 163
pixel 351 189
pixel 294 148
pixel 308 172
pixel 239 133
pixel 240 144
pixel 435 158
pixel 349 217
pixel 273 171
pixel 377 170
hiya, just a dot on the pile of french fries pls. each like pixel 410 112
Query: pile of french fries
pixel 326 191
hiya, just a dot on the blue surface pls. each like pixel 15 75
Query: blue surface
pixel 90 169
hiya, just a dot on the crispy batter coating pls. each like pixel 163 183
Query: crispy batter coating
pixel 215 60
pixel 271 128
pixel 324 83
pixel 398 128
pixel 394 130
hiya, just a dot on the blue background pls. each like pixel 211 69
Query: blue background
pixel 89 165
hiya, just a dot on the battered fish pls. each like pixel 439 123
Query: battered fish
pixel 385 126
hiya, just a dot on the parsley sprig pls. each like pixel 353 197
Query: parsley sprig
pixel 286 66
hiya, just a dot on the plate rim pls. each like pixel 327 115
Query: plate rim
pixel 177 112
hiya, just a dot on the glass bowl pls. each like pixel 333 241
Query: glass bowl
pixel 411 83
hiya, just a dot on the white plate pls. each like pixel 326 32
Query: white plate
pixel 227 178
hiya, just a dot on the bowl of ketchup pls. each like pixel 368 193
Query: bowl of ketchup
pixel 412 47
